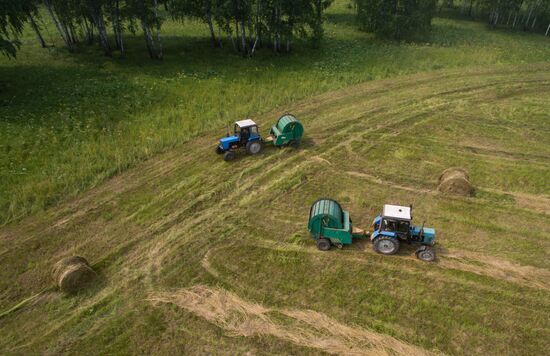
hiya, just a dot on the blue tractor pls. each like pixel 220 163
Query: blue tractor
pixel 393 227
pixel 245 135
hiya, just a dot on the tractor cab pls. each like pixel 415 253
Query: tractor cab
pixel 395 221
pixel 394 226
pixel 245 134
pixel 245 130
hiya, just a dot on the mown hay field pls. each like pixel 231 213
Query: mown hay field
pixel 195 255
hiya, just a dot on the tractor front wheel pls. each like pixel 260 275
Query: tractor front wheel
pixel 425 253
pixel 253 147
pixel 323 244
pixel 386 245
pixel 228 156
pixel 219 150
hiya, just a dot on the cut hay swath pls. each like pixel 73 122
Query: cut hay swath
pixel 301 327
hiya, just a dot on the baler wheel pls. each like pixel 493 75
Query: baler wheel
pixel 253 147
pixel 425 253
pixel 228 156
pixel 294 144
pixel 323 244
pixel 386 245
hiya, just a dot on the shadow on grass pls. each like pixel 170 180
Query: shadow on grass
pixel 341 18
pixel 195 54
pixel 65 97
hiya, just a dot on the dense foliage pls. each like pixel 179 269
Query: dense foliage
pixel 253 23
pixel 526 15
pixel 248 24
pixel 398 19
pixel 13 15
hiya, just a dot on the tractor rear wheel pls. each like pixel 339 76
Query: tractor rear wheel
pixel 386 245
pixel 228 156
pixel 253 147
pixel 425 253
pixel 323 244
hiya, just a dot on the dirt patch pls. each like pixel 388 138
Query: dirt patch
pixel 72 274
pixel 302 327
pixel 456 181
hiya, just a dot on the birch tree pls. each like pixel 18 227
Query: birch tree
pixel 146 12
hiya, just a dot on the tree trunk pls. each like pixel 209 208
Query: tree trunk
pixel 117 27
pixel 89 31
pixel 278 33
pixel 72 32
pixel 528 16
pixel 470 8
pixel 243 38
pixel 515 18
pixel 237 34
pixel 59 26
pixel 220 44
pixel 233 42
pixel 211 28
pixel 318 30
pixel 257 29
pixel 159 39
pixel 97 17
pixel 254 46
pixel 289 34
pixel 249 39
pixel 547 30
pixel 274 30
pixel 37 31
pixel 149 39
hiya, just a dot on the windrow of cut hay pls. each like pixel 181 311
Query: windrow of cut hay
pixel 302 327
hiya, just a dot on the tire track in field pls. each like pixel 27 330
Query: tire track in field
pixel 467 261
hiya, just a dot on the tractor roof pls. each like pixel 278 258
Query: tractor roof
pixel 396 211
pixel 245 123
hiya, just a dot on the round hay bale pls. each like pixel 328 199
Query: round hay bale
pixel 453 172
pixel 72 274
pixel 455 181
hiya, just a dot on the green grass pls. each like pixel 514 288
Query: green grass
pixel 184 217
pixel 67 122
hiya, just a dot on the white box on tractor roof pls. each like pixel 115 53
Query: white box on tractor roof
pixel 397 212
pixel 245 123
